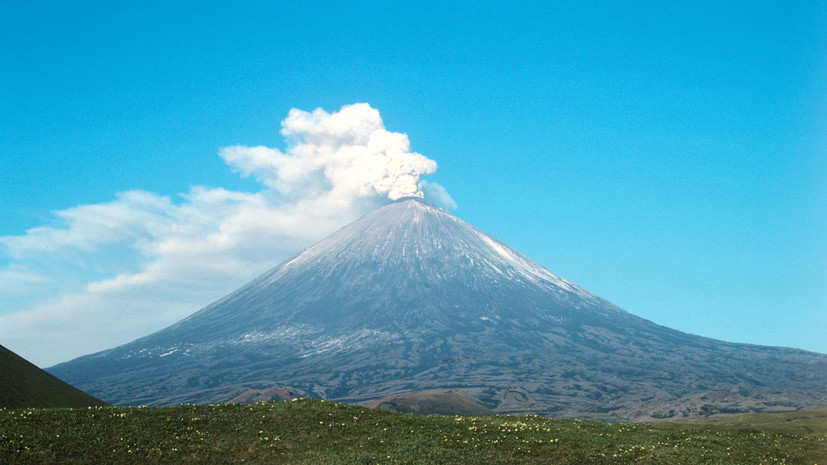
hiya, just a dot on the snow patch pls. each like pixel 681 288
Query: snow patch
pixel 530 271
pixel 174 349
pixel 351 341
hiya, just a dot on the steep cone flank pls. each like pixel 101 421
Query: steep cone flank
pixel 402 266
pixel 410 298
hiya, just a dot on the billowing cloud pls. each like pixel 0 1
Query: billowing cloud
pixel 344 154
pixel 108 273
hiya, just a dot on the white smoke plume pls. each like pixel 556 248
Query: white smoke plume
pixel 348 154
pixel 107 273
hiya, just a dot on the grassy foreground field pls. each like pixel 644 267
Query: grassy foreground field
pixel 314 431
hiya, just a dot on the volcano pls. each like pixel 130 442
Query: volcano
pixel 409 298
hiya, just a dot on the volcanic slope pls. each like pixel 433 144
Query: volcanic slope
pixel 410 298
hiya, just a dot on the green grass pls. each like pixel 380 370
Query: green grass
pixel 806 422
pixel 314 431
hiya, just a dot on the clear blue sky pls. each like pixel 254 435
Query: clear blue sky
pixel 671 158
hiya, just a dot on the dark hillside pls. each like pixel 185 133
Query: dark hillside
pixel 22 384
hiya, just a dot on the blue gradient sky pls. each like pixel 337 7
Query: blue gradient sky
pixel 671 158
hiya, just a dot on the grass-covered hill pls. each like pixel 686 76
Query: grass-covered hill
pixel 22 384
pixel 309 431
pixel 804 422
pixel 445 402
